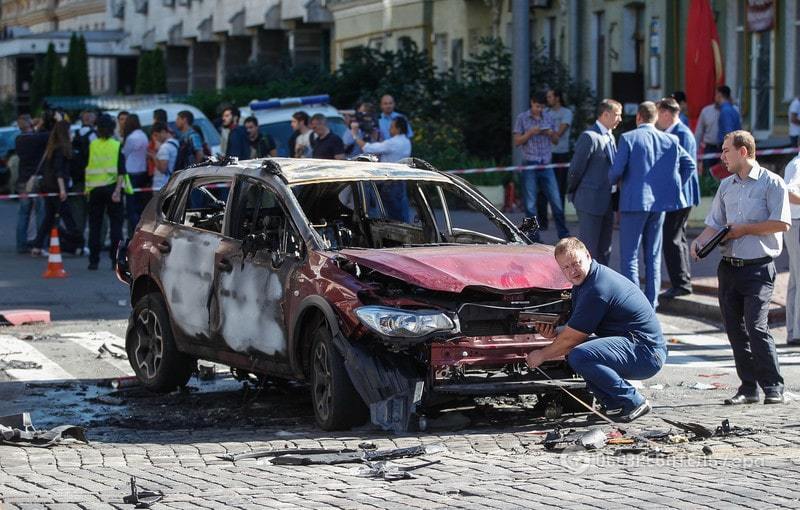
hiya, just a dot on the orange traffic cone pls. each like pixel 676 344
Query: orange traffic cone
pixel 55 267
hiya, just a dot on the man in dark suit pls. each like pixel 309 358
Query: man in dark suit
pixel 676 248
pixel 651 168
pixel 587 181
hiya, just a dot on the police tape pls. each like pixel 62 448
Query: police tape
pixel 461 171
pixel 519 168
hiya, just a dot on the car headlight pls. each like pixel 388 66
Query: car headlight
pixel 403 323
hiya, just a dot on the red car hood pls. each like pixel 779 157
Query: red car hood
pixel 452 268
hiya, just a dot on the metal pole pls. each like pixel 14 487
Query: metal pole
pixel 520 62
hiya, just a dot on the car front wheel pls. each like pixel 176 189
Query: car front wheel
pixel 337 405
pixel 151 347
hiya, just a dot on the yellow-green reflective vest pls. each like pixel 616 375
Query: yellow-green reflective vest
pixel 103 160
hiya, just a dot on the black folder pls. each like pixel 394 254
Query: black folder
pixel 710 245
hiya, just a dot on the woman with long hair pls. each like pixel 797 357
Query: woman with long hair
pixel 54 170
pixel 134 150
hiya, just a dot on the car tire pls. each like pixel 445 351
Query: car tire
pixel 151 348
pixel 337 405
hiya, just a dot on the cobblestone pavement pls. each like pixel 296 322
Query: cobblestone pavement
pixel 495 462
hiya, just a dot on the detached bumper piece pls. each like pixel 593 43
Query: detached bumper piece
pixel 387 382
pixel 510 387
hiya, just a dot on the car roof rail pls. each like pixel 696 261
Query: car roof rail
pixel 418 163
pixel 369 158
pixel 271 167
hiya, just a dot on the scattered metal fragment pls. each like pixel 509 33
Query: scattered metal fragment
pixel 350 457
pixel 206 372
pixel 115 351
pixel 18 430
pixel 257 454
pixel 593 440
pixel 707 450
pixel 390 471
pixel 367 446
pixel 726 430
pixel 648 452
pixel 142 498
pixel 15 364
pixel 699 431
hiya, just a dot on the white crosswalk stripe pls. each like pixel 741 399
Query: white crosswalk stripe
pixel 95 339
pixel 12 348
pixel 63 357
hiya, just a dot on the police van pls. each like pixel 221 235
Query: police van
pixel 275 117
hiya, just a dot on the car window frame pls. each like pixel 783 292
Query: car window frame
pixel 239 180
pixel 190 184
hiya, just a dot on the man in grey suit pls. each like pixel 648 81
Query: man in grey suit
pixel 587 181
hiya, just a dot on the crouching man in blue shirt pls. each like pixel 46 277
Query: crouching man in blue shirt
pixel 628 342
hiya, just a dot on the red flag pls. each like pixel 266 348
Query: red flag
pixel 703 59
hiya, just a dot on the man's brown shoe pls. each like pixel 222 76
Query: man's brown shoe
pixel 741 398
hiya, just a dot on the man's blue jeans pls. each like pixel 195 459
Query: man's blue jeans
pixel 546 178
pixel 645 229
pixel 26 206
pixel 606 363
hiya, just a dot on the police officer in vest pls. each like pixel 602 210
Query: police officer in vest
pixel 754 203
pixel 105 174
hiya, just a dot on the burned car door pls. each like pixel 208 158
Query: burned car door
pixel 253 266
pixel 186 252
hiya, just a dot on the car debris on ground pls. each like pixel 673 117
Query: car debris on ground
pixel 142 498
pixel 18 430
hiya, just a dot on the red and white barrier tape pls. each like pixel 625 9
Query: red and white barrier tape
pixel 711 155
pixel 461 171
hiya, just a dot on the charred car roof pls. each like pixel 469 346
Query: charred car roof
pixel 307 171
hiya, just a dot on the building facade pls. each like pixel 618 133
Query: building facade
pixel 629 50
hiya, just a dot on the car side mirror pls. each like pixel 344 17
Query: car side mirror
pixel 529 226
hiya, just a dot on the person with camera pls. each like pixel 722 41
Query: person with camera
pixel 361 125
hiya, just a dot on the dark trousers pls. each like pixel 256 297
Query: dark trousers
pixel 596 232
pixel 561 179
pixel 676 249
pixel 54 209
pixel 100 203
pixel 744 296
pixel 136 203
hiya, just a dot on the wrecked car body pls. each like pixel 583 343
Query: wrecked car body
pixel 387 287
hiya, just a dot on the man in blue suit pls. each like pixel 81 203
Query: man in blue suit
pixel 587 181
pixel 651 168
pixel 676 248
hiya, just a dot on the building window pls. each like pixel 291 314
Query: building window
pixel 440 52
pixel 457 56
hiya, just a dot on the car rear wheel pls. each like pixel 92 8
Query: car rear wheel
pixel 337 405
pixel 151 347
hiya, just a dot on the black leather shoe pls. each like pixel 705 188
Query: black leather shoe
pixel 673 293
pixel 636 413
pixel 773 398
pixel 741 398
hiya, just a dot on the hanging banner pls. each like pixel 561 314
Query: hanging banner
pixel 703 66
pixel 760 15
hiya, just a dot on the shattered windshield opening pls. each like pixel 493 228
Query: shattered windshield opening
pixel 398 213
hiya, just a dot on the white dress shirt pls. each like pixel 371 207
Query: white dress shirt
pixel 392 150
pixel 791 175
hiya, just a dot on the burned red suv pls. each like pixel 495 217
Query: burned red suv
pixel 389 287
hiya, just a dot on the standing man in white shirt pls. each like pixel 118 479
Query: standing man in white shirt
pixel 166 156
pixel 392 150
pixel 794 121
pixel 792 240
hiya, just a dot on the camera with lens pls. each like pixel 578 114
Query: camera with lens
pixel 367 124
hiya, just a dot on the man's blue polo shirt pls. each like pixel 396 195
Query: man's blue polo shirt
pixel 608 304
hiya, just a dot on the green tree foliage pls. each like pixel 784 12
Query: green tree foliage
pixel 80 84
pixel 151 73
pixel 42 80
pixel 159 71
pixel 143 73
